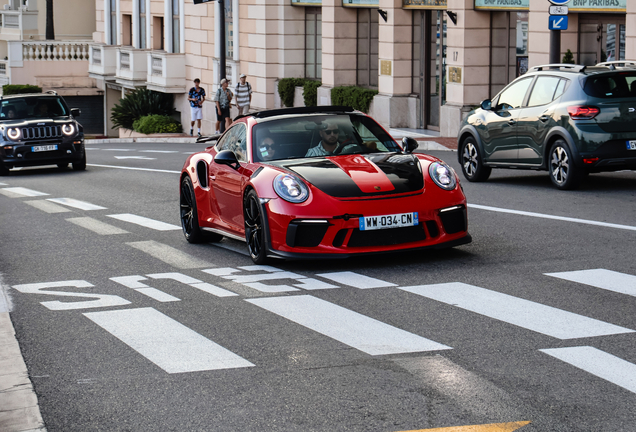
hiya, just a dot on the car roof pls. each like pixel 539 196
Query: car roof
pixel 22 95
pixel 607 67
pixel 298 112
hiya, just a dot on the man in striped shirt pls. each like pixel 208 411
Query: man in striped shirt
pixel 243 95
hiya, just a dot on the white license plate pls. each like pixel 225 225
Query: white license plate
pixel 631 145
pixel 43 148
pixel 368 223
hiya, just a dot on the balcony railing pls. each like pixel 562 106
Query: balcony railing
pixel 166 72
pixel 103 61
pixel 132 67
pixel 17 22
pixel 55 51
pixel 4 72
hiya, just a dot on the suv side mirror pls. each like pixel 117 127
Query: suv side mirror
pixel 486 105
pixel 227 157
pixel 409 144
pixel 75 112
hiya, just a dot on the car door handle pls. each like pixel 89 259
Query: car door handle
pixel 212 177
pixel 512 122
pixel 544 118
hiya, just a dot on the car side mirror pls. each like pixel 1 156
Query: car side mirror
pixel 486 105
pixel 409 144
pixel 227 157
pixel 75 112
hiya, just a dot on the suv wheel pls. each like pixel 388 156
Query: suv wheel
pixel 4 171
pixel 472 165
pixel 81 164
pixel 565 175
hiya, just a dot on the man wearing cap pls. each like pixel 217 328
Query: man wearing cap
pixel 223 99
pixel 243 95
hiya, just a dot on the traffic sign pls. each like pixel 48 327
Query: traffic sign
pixel 559 2
pixel 558 22
pixel 559 10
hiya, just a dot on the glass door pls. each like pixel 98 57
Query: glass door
pixel 601 39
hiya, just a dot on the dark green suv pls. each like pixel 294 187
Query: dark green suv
pixel 570 120
pixel 39 129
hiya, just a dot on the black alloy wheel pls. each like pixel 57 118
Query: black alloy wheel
pixel 472 165
pixel 189 216
pixel 81 164
pixel 565 175
pixel 254 228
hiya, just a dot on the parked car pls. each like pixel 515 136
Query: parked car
pixel 267 182
pixel 570 120
pixel 39 129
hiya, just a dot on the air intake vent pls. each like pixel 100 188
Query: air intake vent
pixel 41 132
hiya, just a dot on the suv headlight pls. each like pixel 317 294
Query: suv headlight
pixel 291 188
pixel 442 175
pixel 14 133
pixel 68 129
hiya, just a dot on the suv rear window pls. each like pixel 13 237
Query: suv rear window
pixel 620 85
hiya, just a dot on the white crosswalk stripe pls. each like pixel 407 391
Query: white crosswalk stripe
pixel 356 280
pixel 167 343
pixel 47 206
pixel 351 328
pixel 169 255
pixel 21 191
pixel 523 313
pixel 145 222
pixel 97 226
pixel 82 205
pixel 598 363
pixel 601 278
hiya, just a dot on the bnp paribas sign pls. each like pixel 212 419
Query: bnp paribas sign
pixel 573 5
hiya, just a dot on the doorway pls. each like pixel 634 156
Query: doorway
pixel 429 66
pixel 601 38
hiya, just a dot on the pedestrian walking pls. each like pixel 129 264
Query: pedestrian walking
pixel 243 95
pixel 223 99
pixel 196 96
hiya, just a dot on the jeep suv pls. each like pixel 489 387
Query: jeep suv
pixel 570 120
pixel 39 129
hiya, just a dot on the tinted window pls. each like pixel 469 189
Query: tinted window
pixel 33 107
pixel 514 94
pixel 611 86
pixel 234 140
pixel 544 90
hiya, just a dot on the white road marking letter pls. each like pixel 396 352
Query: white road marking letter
pixel 356 280
pixel 102 300
pixel 133 282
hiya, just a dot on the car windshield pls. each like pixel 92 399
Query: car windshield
pixel 318 136
pixel 619 85
pixel 32 107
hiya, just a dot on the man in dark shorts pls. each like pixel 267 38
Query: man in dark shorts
pixel 223 99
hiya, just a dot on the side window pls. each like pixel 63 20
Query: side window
pixel 224 142
pixel 544 90
pixel 234 140
pixel 560 88
pixel 515 94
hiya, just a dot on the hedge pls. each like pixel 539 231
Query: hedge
pixel 357 97
pixel 156 124
pixel 287 88
pixel 11 89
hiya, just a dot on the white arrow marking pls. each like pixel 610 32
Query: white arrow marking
pixel 135 157
pixel 557 24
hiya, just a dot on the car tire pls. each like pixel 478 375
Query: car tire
pixel 188 212
pixel 254 228
pixel 81 164
pixel 4 171
pixel 472 164
pixel 62 166
pixel 565 175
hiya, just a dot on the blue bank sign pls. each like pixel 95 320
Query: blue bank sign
pixel 559 2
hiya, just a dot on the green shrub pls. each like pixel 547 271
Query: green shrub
pixel 139 103
pixel 310 92
pixel 356 97
pixel 568 57
pixel 286 89
pixel 156 123
pixel 10 89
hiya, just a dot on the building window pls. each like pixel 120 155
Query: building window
pixel 313 43
pixel 176 27
pixel 113 22
pixel 142 24
pixel 367 48
pixel 229 29
pixel 126 30
pixel 157 32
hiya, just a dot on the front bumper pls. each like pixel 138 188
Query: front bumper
pixel 24 154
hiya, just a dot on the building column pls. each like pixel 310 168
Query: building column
pixel 468 64
pixel 339 31
pixel 393 107
pixel 630 31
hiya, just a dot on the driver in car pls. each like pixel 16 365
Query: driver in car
pixel 328 143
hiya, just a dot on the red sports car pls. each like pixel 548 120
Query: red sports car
pixel 319 182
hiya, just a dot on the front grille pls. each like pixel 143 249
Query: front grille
pixel 306 234
pixel 386 237
pixel 41 132
pixel 454 221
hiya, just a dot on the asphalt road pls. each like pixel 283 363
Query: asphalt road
pixel 125 326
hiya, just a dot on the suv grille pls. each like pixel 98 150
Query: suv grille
pixel 40 132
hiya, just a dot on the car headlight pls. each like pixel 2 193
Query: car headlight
pixel 13 133
pixel 290 188
pixel 68 129
pixel 442 175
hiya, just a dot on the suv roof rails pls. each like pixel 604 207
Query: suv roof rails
pixel 561 66
pixel 53 92
pixel 301 110
pixel 618 64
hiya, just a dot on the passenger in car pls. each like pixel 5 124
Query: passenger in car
pixel 267 148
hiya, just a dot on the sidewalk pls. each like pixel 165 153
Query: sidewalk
pixel 428 140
